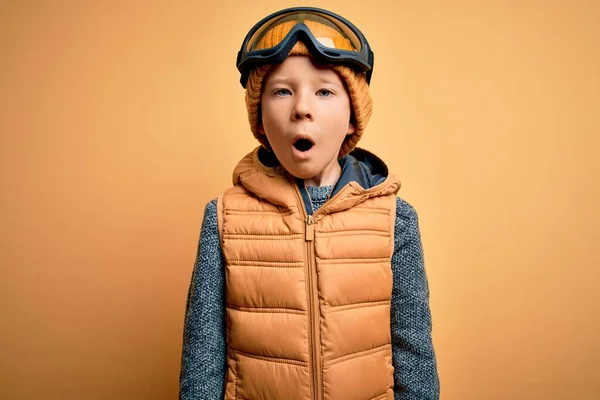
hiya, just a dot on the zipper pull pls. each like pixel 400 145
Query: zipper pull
pixel 310 229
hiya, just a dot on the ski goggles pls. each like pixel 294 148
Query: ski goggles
pixel 253 53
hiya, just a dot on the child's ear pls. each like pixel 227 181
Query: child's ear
pixel 351 128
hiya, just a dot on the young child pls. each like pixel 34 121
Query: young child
pixel 309 281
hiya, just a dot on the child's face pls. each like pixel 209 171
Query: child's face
pixel 306 116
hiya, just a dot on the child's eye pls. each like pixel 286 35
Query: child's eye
pixel 324 92
pixel 281 92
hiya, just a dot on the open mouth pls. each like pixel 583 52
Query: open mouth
pixel 303 144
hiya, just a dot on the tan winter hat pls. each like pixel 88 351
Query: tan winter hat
pixel 356 82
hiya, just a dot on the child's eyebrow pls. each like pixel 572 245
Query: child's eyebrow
pixel 327 79
pixel 290 81
pixel 278 81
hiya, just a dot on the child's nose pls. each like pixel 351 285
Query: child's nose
pixel 300 116
pixel 302 108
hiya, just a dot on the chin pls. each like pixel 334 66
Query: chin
pixel 303 173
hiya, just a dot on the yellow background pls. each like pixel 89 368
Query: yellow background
pixel 119 120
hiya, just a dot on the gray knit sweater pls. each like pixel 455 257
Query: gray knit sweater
pixel 203 365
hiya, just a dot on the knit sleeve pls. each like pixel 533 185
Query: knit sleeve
pixel 415 374
pixel 204 347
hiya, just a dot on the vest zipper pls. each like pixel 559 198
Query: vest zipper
pixel 313 300
pixel 313 304
pixel 313 307
pixel 310 229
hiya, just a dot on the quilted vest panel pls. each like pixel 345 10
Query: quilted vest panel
pixel 308 304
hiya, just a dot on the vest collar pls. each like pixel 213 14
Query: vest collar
pixel 363 176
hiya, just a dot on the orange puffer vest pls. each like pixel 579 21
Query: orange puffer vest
pixel 308 297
